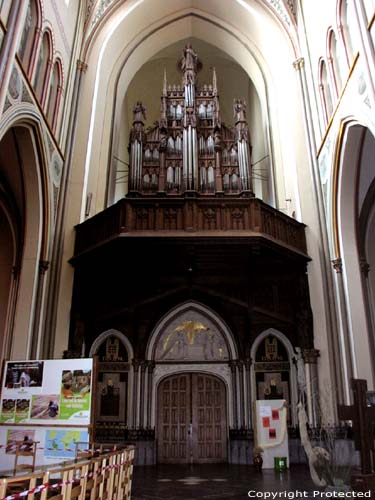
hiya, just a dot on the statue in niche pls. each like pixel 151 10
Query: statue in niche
pixel 189 64
pixel 239 110
pixel 139 112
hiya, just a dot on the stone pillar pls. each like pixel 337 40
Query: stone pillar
pixel 344 338
pixel 247 367
pixel 10 44
pixel 136 364
pixel 142 394
pixel 150 372
pixel 241 390
pixel 34 347
pixel 310 358
pixel 233 367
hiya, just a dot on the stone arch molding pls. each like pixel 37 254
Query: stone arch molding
pixel 191 331
pixel 111 333
pixel 280 336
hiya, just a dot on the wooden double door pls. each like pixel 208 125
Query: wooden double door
pixel 192 423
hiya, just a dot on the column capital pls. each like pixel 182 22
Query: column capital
pixel 43 266
pixel 248 362
pixel 310 355
pixel 81 66
pixel 365 266
pixel 136 364
pixel 299 63
pixel 150 365
pixel 337 265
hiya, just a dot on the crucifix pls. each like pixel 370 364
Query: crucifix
pixel 362 417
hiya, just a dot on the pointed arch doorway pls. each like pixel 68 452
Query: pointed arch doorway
pixel 192 423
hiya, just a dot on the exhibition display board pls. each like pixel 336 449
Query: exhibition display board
pixel 48 401
pixel 271 433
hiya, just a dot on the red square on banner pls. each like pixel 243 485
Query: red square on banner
pixel 275 415
pixel 266 421
pixel 272 433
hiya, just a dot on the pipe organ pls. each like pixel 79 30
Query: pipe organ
pixel 189 149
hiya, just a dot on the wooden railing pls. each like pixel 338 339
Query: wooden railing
pixel 217 216
pixel 107 476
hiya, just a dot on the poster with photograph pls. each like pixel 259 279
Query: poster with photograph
pixel 54 444
pixel 75 393
pixel 24 374
pixel 14 436
pixel 22 410
pixel 45 406
pixel 35 392
pixel 8 408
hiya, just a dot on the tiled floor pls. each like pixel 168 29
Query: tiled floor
pixel 214 482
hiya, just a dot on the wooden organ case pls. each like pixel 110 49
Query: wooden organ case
pixel 189 149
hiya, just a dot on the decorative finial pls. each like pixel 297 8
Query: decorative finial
pixel 214 82
pixel 165 82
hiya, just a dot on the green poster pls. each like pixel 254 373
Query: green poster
pixel 8 408
pixel 75 394
pixel 22 410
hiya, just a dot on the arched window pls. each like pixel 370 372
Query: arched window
pixel 345 26
pixel 42 71
pixel 325 92
pixel 334 63
pixel 54 94
pixel 28 42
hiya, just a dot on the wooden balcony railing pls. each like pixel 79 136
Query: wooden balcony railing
pixel 205 216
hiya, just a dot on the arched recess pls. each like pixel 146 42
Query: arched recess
pixel 191 314
pixel 23 169
pixel 272 332
pixel 115 381
pixel 196 311
pixel 352 181
pixel 28 46
pixel 133 43
pixel 111 333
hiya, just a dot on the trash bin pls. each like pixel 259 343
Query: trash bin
pixel 280 464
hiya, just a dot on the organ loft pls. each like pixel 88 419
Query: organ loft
pixel 189 150
pixel 196 273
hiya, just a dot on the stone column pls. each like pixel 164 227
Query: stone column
pixel 344 338
pixel 233 366
pixel 58 243
pixel 241 390
pixel 150 372
pixel 247 367
pixel 34 347
pixel 142 393
pixel 310 358
pixel 136 364
pixel 10 44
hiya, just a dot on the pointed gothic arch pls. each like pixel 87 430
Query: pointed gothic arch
pixel 272 332
pixel 111 333
pixel 201 310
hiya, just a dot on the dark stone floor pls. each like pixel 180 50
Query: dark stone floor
pixel 214 482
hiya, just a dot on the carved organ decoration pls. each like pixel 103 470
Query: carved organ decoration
pixel 189 148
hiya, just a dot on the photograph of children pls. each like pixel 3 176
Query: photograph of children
pixel 24 374
pixel 8 407
pixel 22 409
pixel 45 406
pixel 75 383
pixel 15 436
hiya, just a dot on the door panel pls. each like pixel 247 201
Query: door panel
pixel 192 419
